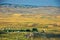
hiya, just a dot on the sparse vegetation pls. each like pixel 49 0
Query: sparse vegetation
pixel 2 32
pixel 23 22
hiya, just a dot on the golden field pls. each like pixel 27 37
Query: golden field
pixel 30 17
pixel 44 18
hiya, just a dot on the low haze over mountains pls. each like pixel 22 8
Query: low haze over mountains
pixel 29 9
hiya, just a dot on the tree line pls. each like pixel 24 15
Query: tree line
pixel 21 30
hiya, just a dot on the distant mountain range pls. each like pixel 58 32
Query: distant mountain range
pixel 17 5
pixel 30 9
pixel 22 6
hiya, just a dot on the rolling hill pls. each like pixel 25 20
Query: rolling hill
pixel 29 13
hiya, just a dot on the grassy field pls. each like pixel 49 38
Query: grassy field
pixel 48 28
pixel 47 25
pixel 50 25
pixel 21 36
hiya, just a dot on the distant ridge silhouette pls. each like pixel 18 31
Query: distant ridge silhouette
pixel 17 5
pixel 30 9
pixel 22 6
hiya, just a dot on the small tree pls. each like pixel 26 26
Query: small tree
pixel 22 30
pixel 34 30
pixel 28 30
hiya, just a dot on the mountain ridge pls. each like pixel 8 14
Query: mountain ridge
pixel 16 5
pixel 22 5
pixel 28 9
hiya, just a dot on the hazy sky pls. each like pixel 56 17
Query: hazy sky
pixel 33 2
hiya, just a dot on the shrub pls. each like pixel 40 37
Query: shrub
pixel 28 30
pixel 22 30
pixel 34 30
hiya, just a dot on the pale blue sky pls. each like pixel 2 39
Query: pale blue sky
pixel 33 2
